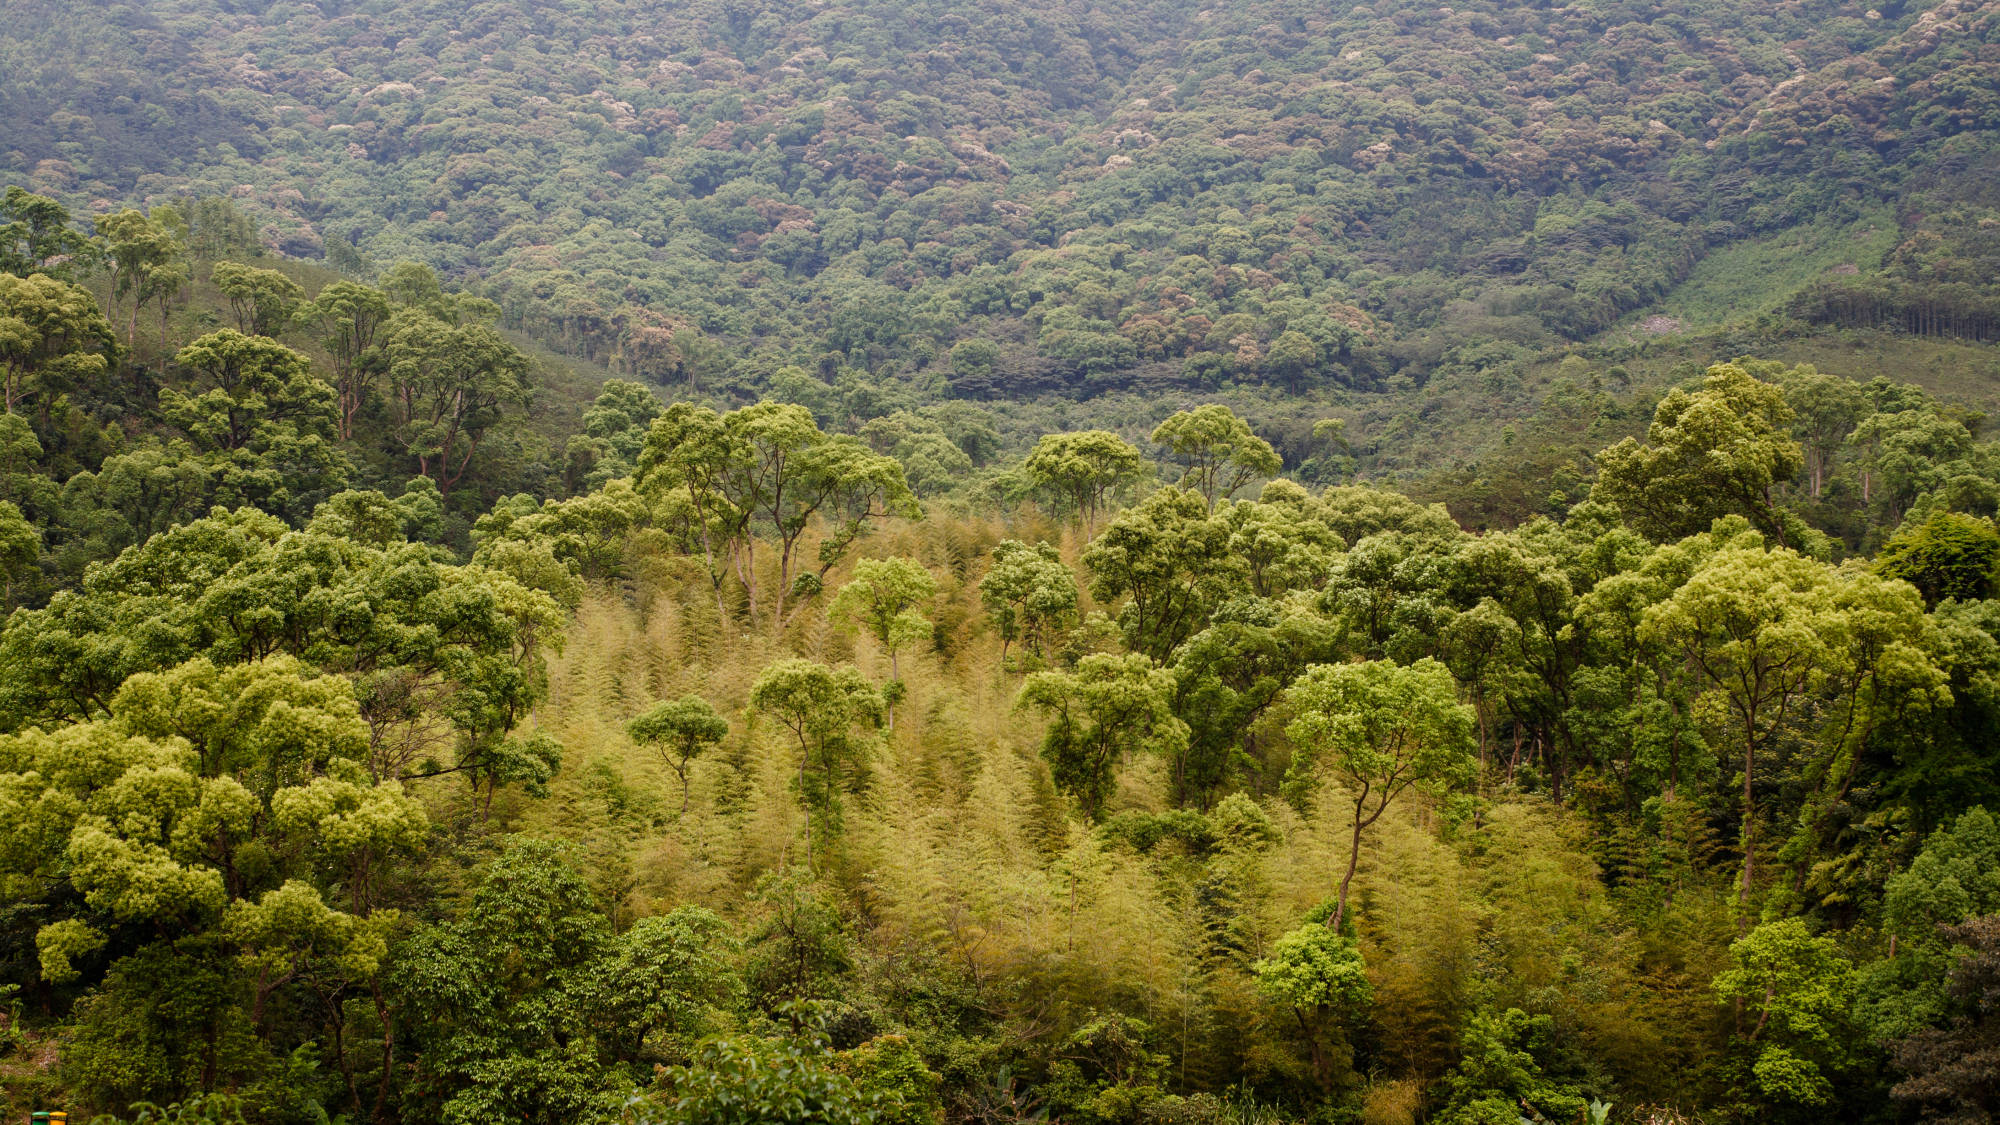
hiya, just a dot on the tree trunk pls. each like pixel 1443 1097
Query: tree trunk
pixel 1749 830
pixel 383 1114
pixel 1353 861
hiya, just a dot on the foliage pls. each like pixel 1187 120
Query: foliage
pixel 882 598
pixel 1716 451
pixel 1029 593
pixel 1792 991
pixel 1109 710
pixel 744 1080
pixel 1080 472
pixel 826 710
pixel 1221 451
pixel 1658 766
pixel 681 729
pixel 1949 556
pixel 1381 730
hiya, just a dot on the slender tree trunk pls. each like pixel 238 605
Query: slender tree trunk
pixel 746 572
pixel 383 1115
pixel 804 756
pixel 1353 861
pixel 1749 834
pixel 340 1060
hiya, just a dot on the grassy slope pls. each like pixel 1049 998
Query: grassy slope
pixel 1743 280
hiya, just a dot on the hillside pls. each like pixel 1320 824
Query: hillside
pixel 968 563
pixel 985 201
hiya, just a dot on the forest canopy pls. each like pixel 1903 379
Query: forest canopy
pixel 1117 564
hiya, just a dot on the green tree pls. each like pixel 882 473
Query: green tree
pixel 1827 408
pixel 445 660
pixel 801 954
pixel 587 534
pixel 265 301
pixel 1906 455
pixel 263 422
pixel 812 477
pixel 20 546
pixel 882 598
pixel 1954 878
pixel 1170 559
pixel 1221 452
pixel 215 829
pixel 1228 676
pixel 527 1007
pixel 1107 711
pixel 1281 541
pixel 347 318
pixel 680 730
pixel 147 262
pixel 1078 472
pixel 1029 592
pixel 53 339
pixel 1292 357
pixel 768 467
pixel 1320 977
pixel 1380 729
pixel 1711 452
pixel 36 237
pixel 1791 991
pixel 694 465
pixel 1749 625
pixel 744 1080
pixel 449 385
pixel 243 385
pixel 1503 1067
pixel 826 710
pixel 1947 556
pixel 614 431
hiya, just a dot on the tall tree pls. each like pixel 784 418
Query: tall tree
pixel 243 383
pixel 1221 452
pixel 1381 730
pixel 1319 975
pixel 1749 624
pixel 449 385
pixel 1792 992
pixel 826 710
pixel 147 263
pixel 882 598
pixel 36 237
pixel 1710 452
pixel 1109 710
pixel 1029 593
pixel 680 730
pixel 265 301
pixel 52 338
pixel 695 465
pixel 346 318
pixel 214 828
pixel 1080 471
pixel 768 467
pixel 1169 557
pixel 1826 409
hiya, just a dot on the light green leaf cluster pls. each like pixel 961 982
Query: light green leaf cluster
pixel 1314 969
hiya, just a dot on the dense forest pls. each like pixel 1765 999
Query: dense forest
pixel 1118 564
pixel 910 202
